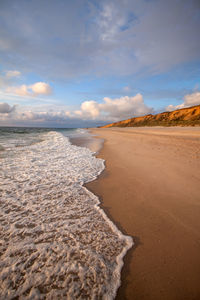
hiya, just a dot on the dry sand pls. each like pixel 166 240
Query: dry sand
pixel 151 190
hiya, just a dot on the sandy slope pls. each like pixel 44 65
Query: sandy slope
pixel 189 116
pixel 151 189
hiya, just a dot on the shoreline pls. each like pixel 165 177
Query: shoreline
pixel 151 188
pixel 96 145
pixel 130 252
pixel 136 242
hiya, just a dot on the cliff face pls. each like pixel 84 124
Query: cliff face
pixel 180 117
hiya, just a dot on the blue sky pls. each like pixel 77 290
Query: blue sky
pixel 86 63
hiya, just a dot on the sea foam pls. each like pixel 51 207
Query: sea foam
pixel 55 241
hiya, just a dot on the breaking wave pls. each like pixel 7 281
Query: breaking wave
pixel 55 241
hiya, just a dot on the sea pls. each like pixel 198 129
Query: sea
pixel 55 240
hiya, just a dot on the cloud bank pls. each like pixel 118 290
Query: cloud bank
pixel 91 112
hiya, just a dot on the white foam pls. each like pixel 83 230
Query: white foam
pixel 56 242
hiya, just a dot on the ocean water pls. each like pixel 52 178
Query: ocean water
pixel 55 241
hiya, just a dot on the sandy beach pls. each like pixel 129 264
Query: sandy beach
pixel 151 190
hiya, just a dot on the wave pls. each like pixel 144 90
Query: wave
pixel 56 242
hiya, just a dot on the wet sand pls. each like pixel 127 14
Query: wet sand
pixel 151 190
pixel 94 144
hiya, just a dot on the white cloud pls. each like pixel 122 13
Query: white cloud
pixel 41 88
pixel 5 108
pixel 192 99
pixel 125 106
pixel 172 107
pixel 36 89
pixel 8 78
pixel 114 109
pixel 10 74
pixel 189 100
pixel 21 90
pixel 89 109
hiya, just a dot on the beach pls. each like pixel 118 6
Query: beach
pixel 151 190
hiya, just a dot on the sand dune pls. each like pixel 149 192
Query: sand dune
pixel 185 117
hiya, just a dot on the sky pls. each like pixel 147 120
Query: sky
pixel 85 63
